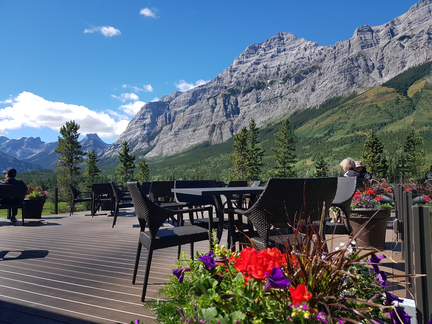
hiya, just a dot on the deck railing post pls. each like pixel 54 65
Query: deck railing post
pixel 55 200
pixel 422 264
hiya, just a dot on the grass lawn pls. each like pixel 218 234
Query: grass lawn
pixel 48 209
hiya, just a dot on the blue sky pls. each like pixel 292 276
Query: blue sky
pixel 99 61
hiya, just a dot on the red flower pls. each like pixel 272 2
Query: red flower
pixel 370 192
pixel 299 294
pixel 378 198
pixel 427 198
pixel 357 195
pixel 256 264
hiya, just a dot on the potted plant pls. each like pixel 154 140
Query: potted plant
pixel 34 202
pixel 304 284
pixel 369 218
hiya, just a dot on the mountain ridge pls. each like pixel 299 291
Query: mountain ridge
pixel 277 77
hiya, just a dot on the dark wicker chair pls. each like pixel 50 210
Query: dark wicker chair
pixel 102 197
pixel 346 189
pixel 284 202
pixel 122 200
pixel 145 186
pixel 76 199
pixel 160 193
pixel 197 201
pixel 153 216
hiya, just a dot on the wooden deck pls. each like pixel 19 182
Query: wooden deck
pixel 78 269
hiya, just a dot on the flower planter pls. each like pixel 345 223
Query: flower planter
pixel 32 208
pixel 374 233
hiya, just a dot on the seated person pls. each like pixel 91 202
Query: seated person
pixel 10 174
pixel 428 175
pixel 361 169
pixel 348 165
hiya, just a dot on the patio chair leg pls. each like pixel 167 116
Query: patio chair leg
pixel 115 216
pixel 138 255
pixel 147 273
pixel 178 252
pixel 192 250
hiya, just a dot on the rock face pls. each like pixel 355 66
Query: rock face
pixel 273 79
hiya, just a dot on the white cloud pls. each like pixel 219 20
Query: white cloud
pixel 148 12
pixel 126 97
pixel 145 87
pixel 132 108
pixel 30 110
pixel 107 31
pixel 183 86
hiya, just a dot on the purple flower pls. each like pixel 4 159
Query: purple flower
pixel 209 261
pixel 390 298
pixel 227 296
pixel 399 316
pixel 179 273
pixel 136 321
pixel 374 260
pixel 382 279
pixel 276 280
pixel 322 317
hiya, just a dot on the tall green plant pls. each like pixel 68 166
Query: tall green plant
pixel 373 156
pixel 254 153
pixel 415 155
pixel 144 172
pixel 127 163
pixel 284 151
pixel 70 152
pixel 240 156
pixel 321 167
pixel 91 169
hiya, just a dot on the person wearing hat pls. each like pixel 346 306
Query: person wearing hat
pixel 361 169
pixel 10 174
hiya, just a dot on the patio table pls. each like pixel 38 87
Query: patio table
pixel 216 193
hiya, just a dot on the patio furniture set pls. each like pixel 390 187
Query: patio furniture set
pixel 258 215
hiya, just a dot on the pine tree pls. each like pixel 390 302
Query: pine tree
pixel 415 155
pixel 70 156
pixel 254 153
pixel 144 172
pixel 321 167
pixel 240 156
pixel 284 152
pixel 126 167
pixel 373 156
pixel 91 169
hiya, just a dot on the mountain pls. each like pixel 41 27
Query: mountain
pixel 335 129
pixel 7 161
pixel 24 147
pixel 33 151
pixel 92 141
pixel 276 78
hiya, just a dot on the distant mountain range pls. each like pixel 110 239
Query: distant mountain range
pixel 29 153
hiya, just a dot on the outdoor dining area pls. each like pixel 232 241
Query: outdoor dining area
pixel 102 265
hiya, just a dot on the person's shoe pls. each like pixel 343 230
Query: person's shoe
pixel 13 219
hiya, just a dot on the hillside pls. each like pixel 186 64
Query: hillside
pixel 337 129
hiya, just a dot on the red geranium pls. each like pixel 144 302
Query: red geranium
pixel 299 294
pixel 256 264
pixel 370 192
pixel 427 198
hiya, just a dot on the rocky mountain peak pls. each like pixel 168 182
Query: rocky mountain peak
pixel 270 80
